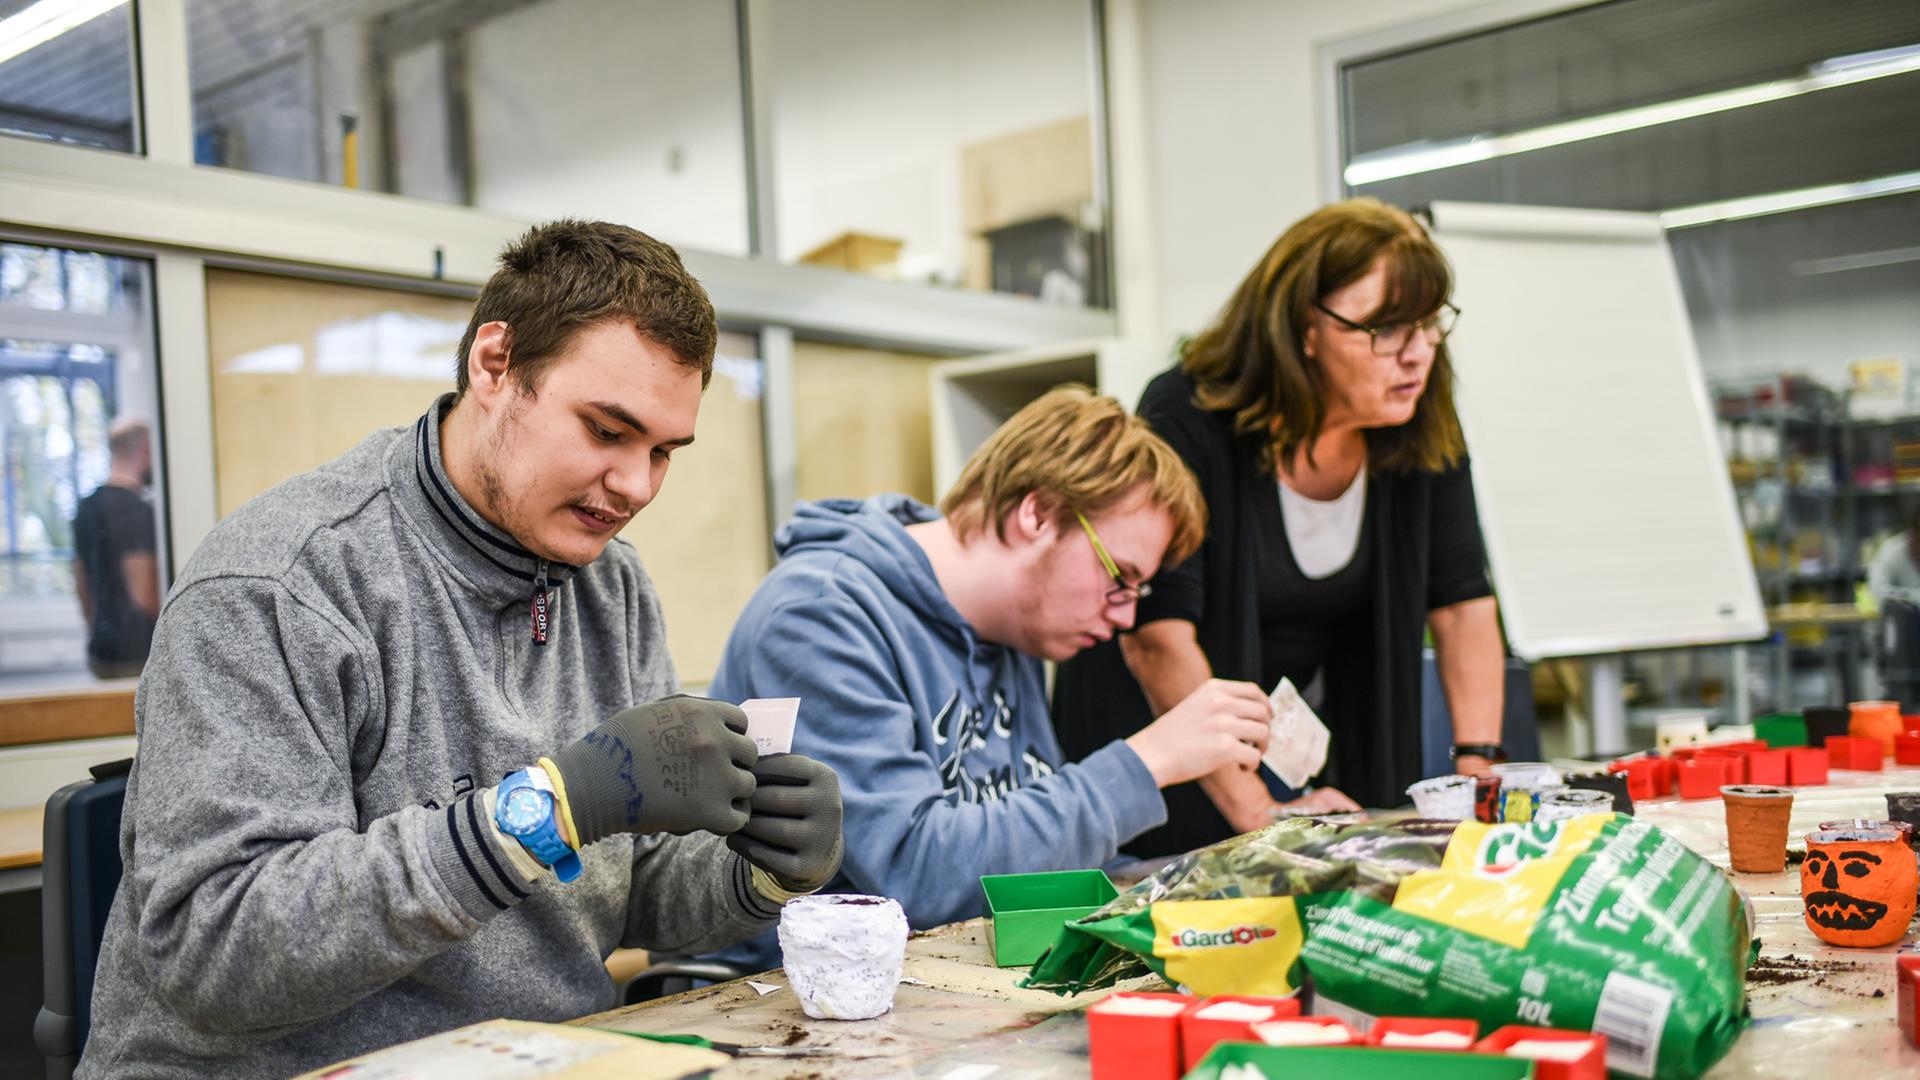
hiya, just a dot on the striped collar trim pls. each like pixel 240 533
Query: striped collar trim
pixel 471 539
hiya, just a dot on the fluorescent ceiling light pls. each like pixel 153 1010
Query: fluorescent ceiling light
pixel 40 23
pixel 1415 158
pixel 1783 201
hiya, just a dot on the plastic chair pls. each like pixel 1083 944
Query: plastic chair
pixel 670 974
pixel 80 871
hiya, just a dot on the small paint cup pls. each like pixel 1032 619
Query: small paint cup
pixel 1567 803
pixel 1444 798
pixel 1613 783
pixel 1757 827
pixel 1528 775
pixel 1486 798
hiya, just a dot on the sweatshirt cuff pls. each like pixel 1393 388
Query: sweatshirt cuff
pixel 747 898
pixel 1133 799
pixel 469 861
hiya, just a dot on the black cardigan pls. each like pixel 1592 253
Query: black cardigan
pixel 1427 554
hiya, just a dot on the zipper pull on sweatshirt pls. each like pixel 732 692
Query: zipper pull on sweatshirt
pixel 540 604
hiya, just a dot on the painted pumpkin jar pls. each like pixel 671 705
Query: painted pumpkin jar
pixel 1858 885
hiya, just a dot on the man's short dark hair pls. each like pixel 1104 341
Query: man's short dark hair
pixel 567 274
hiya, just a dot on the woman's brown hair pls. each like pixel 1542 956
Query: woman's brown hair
pixel 1251 362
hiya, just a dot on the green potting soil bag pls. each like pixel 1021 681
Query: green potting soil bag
pixel 1600 923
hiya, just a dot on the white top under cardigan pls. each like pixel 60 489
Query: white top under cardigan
pixel 1325 534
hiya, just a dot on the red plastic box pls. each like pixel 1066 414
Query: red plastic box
pixel 1643 776
pixel 1906 749
pixel 1703 777
pixel 1421 1025
pixel 1854 752
pixel 1767 767
pixel 1735 758
pixel 1591 1066
pixel 1911 724
pixel 1198 1034
pixel 1807 766
pixel 1666 776
pixel 1124 1046
pixel 1906 996
pixel 1352 1036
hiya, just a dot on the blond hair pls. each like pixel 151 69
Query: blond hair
pixel 1080 452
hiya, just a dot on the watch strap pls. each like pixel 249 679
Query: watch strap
pixel 1492 751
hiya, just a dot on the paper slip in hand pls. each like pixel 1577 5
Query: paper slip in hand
pixel 1296 739
pixel 770 723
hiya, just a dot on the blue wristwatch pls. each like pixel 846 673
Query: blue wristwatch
pixel 523 808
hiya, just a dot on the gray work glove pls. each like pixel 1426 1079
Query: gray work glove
pixel 794 831
pixel 678 765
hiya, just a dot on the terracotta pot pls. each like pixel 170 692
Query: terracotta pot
pixel 1879 720
pixel 1858 885
pixel 1757 827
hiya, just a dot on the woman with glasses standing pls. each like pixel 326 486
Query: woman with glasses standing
pixel 1317 413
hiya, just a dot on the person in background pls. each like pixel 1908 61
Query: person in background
pixel 410 754
pixel 1894 573
pixel 116 570
pixel 916 639
pixel 1317 413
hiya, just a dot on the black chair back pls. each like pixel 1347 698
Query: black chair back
pixel 80 872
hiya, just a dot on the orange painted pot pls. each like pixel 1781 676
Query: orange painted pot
pixel 1858 885
pixel 1878 720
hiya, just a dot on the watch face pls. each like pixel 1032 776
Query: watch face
pixel 523 811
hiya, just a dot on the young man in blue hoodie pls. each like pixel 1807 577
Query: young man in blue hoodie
pixel 915 642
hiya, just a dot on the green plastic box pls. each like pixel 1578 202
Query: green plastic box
pixel 1781 729
pixel 1027 910
pixel 1359 1063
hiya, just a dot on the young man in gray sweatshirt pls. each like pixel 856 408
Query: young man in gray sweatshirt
pixel 371 801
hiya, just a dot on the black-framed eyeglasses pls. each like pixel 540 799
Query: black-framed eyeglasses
pixel 1121 593
pixel 1392 339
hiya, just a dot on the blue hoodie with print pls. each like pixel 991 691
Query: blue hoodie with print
pixel 949 768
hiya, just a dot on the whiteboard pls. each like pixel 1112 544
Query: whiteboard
pixel 1609 517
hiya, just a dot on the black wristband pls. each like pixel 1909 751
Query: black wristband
pixel 1492 751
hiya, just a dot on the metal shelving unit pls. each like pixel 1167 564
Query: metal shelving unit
pixel 1790 449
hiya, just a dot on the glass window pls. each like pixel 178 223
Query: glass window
pixel 303 370
pixel 947 142
pixel 1771 96
pixel 66 72
pixel 82 544
pixel 535 108
pixel 1764 132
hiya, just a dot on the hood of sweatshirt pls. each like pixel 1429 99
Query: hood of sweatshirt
pixel 873 532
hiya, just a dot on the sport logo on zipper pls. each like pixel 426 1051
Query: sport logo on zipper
pixel 540 605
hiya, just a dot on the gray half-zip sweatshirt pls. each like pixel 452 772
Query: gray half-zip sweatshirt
pixel 345 665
